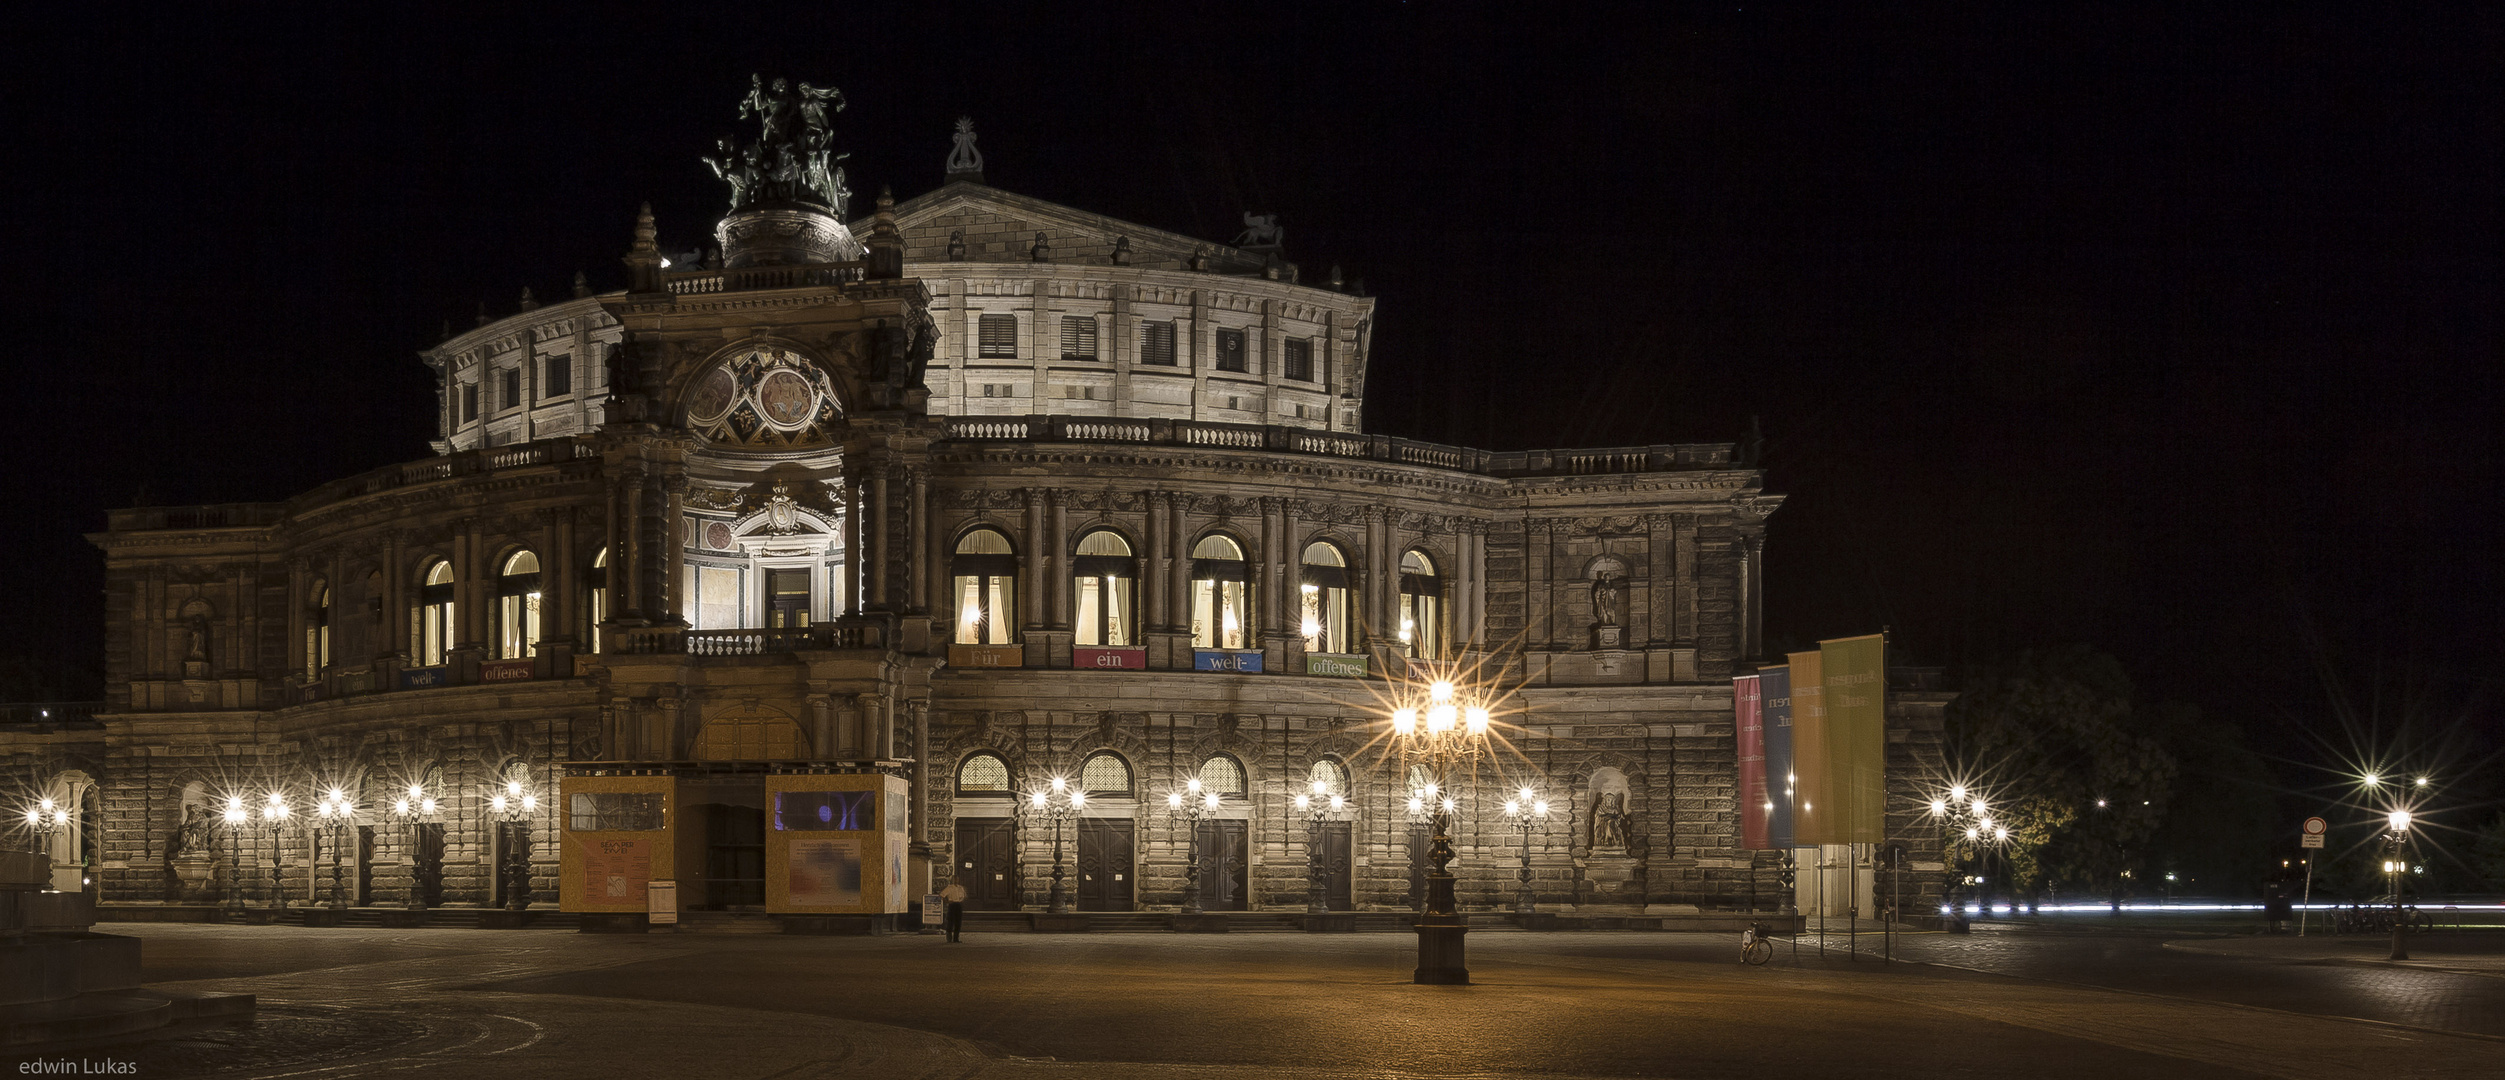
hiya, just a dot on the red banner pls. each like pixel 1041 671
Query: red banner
pixel 1750 720
pixel 1087 656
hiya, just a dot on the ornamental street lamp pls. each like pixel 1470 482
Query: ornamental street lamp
pixel 2396 843
pixel 514 809
pixel 1527 813
pixel 415 809
pixel 237 821
pixel 1442 728
pixel 277 819
pixel 1190 806
pixel 1059 805
pixel 1967 814
pixel 334 815
pixel 1319 807
pixel 47 820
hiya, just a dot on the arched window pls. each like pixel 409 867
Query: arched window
pixel 1105 773
pixel 1327 777
pixel 431 638
pixel 1421 606
pixel 1105 579
pixel 1323 592
pixel 1222 774
pixel 1221 595
pixel 517 607
pixel 317 632
pixel 983 774
pixel 986 569
pixel 596 589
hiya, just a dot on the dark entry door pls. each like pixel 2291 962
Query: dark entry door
pixel 987 863
pixel 734 855
pixel 363 893
pixel 1338 879
pixel 1420 839
pixel 1222 866
pixel 1104 865
pixel 427 868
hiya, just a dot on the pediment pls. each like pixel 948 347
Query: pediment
pixel 1000 226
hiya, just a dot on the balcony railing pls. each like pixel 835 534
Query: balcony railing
pixel 757 641
pixel 695 282
pixel 49 712
pixel 1164 432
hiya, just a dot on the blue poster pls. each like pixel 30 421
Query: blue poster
pixel 1775 683
pixel 1225 660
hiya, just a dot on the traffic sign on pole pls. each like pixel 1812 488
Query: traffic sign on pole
pixel 2314 828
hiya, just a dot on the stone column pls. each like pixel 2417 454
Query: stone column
pixel 1273 565
pixel 879 530
pixel 1179 601
pixel 1381 566
pixel 918 808
pixel 918 537
pixel 853 529
pixel 1056 549
pixel 298 583
pixel 1154 550
pixel 1541 620
pixel 1030 589
pixel 673 563
pixel 626 545
pixel 393 641
pixel 1664 576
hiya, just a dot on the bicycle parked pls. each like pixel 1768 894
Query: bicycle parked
pixel 1755 946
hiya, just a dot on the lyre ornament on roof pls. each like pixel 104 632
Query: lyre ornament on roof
pixel 963 157
pixel 793 159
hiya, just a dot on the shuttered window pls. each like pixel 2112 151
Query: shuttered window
pixel 999 337
pixel 1156 343
pixel 560 380
pixel 1231 350
pixel 512 388
pixel 1299 359
pixel 1078 337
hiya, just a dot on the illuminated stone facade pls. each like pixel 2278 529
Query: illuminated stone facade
pixel 1018 492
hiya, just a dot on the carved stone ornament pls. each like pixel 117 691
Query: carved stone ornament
pixel 792 158
pixel 763 397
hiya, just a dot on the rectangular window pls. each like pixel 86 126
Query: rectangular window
pixel 560 380
pixel 512 388
pixel 1078 337
pixel 999 340
pixel 616 811
pixel 1299 361
pixel 1156 343
pixel 1231 350
pixel 469 403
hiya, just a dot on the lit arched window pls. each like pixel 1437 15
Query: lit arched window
pixel 983 774
pixel 986 569
pixel 1327 777
pixel 596 589
pixel 1421 606
pixel 431 637
pixel 317 632
pixel 1222 774
pixel 1323 592
pixel 517 607
pixel 1221 595
pixel 1105 773
pixel 1105 577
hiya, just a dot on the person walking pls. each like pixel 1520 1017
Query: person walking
pixel 953 920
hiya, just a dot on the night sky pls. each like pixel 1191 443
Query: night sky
pixel 2169 333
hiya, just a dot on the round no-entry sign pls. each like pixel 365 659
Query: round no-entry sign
pixel 2315 826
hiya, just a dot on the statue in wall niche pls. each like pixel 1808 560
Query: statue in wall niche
pixel 1609 823
pixel 199 628
pixel 1261 230
pixel 923 335
pixel 1608 591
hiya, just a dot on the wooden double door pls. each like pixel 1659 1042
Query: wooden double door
pixel 1100 867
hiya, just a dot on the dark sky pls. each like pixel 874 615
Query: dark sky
pixel 2172 333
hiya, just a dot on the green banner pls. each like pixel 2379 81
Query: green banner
pixel 1855 674
pixel 1814 792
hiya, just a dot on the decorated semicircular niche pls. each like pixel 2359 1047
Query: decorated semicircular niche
pixel 763 397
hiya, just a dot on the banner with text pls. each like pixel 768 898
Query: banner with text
pixel 1855 672
pixel 1814 790
pixel 1750 723
pixel 1774 695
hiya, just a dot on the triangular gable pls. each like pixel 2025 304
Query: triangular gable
pixel 1000 226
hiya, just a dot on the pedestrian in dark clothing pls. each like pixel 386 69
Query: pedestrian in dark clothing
pixel 954 920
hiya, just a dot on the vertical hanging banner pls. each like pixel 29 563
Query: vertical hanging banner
pixel 1749 722
pixel 1774 695
pixel 1814 789
pixel 1855 673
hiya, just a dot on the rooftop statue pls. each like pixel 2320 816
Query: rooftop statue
pixel 793 156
